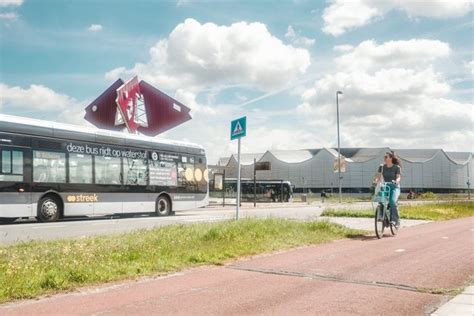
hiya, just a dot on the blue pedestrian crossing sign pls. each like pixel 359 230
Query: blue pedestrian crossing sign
pixel 238 128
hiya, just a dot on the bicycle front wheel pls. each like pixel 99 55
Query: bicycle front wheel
pixel 379 221
pixel 393 229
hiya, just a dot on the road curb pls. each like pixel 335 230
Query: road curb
pixel 462 304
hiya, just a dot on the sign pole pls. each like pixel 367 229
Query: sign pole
pixel 238 182
pixel 238 129
pixel 223 189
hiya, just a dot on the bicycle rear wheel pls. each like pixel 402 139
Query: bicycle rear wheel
pixel 379 221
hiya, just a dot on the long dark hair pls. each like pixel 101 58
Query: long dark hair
pixel 395 158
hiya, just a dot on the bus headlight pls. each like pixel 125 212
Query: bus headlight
pixel 189 174
pixel 206 175
pixel 198 174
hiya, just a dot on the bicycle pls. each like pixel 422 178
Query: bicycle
pixel 382 211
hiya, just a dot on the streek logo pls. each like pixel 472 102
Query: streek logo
pixel 82 198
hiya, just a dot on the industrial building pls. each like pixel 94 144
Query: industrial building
pixel 316 169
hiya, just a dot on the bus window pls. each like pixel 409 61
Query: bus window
pixel 80 168
pixel 107 170
pixel 135 171
pixel 12 165
pixel 163 173
pixel 6 161
pixel 49 167
pixel 17 162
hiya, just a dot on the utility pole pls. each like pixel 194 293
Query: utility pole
pixel 468 183
pixel 254 183
pixel 338 147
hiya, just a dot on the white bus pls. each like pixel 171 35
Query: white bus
pixel 51 170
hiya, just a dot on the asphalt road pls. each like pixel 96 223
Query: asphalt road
pixel 82 227
pixel 406 275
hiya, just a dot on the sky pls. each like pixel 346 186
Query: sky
pixel 405 67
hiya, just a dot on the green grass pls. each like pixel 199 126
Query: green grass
pixel 35 268
pixel 434 212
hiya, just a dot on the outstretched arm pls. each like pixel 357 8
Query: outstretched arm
pixel 398 179
pixel 398 176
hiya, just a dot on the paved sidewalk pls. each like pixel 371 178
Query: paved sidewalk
pixel 461 305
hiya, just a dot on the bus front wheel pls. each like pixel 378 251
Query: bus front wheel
pixel 163 206
pixel 49 209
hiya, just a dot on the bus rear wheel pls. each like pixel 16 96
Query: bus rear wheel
pixel 163 206
pixel 49 209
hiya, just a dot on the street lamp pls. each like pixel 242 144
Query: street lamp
pixel 338 146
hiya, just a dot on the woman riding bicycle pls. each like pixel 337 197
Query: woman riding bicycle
pixel 390 172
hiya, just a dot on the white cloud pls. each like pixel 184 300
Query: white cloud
pixel 39 101
pixel 189 99
pixel 370 93
pixel 95 28
pixel 342 15
pixel 298 40
pixel 36 97
pixel 262 138
pixel 12 3
pixel 411 53
pixel 470 66
pixel 212 131
pixel 290 33
pixel 302 41
pixel 392 98
pixel 199 56
pixel 435 8
pixel 343 48
pixel 8 16
pixel 180 3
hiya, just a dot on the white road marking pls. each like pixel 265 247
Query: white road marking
pixel 445 237
pixel 203 219
pixel 400 250
pixel 48 226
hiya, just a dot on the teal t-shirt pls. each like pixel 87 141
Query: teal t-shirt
pixel 390 174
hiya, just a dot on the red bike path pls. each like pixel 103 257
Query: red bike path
pixel 409 274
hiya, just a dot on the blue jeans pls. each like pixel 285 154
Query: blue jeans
pixel 394 194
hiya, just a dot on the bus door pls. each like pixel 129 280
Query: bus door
pixel 15 182
pixel 109 177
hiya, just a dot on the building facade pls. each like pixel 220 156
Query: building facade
pixel 316 169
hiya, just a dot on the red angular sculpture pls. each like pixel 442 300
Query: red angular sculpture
pixel 137 106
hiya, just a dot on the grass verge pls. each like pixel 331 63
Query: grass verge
pixel 434 212
pixel 35 268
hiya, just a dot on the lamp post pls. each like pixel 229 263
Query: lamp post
pixel 468 183
pixel 338 146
